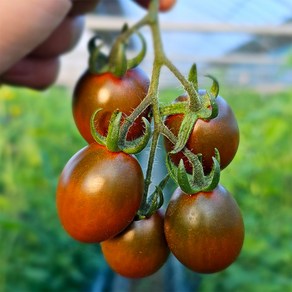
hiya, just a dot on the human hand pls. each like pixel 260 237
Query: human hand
pixel 37 33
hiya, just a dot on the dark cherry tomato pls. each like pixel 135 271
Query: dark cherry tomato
pixel 99 193
pixel 140 250
pixel 110 93
pixel 221 132
pixel 164 5
pixel 205 231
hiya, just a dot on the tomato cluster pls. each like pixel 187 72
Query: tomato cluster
pixel 100 192
pixel 102 195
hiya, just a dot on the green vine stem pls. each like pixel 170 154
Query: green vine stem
pixel 160 60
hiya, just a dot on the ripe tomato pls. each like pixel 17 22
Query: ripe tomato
pixel 99 193
pixel 164 5
pixel 140 250
pixel 205 231
pixel 109 92
pixel 221 132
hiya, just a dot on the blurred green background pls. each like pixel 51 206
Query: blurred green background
pixel 38 136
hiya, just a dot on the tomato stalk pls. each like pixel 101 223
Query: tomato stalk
pixel 196 107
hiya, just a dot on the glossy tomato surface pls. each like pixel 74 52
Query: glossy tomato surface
pixel 204 231
pixel 110 93
pixel 140 250
pixel 221 132
pixel 99 193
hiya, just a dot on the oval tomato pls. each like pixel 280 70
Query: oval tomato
pixel 205 231
pixel 99 193
pixel 110 93
pixel 140 250
pixel 221 132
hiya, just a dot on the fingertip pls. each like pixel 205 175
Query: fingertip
pixel 36 73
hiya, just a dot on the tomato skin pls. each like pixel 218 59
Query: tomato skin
pixel 140 250
pixel 109 92
pixel 164 5
pixel 99 193
pixel 221 132
pixel 205 231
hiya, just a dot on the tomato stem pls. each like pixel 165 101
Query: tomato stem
pixel 150 165
pixel 152 99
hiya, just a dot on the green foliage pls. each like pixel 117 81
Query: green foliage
pixel 260 178
pixel 38 136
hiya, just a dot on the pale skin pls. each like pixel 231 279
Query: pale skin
pixel 35 33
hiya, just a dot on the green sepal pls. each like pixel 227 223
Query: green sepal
pixel 118 60
pixel 215 109
pixel 213 178
pixel 185 131
pixel 171 168
pixel 194 183
pixel 209 109
pixel 193 76
pixel 91 46
pixel 137 145
pixel 185 180
pixel 206 111
pixel 98 61
pixel 134 62
pixel 154 202
pixel 112 138
pixel 196 162
pixel 94 129
pixel 214 90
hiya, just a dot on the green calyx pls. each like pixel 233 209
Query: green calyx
pixel 207 111
pixel 197 181
pixel 116 62
pixel 98 61
pixel 185 131
pixel 115 141
pixel 154 202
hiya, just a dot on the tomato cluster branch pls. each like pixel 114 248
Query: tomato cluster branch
pixel 198 106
